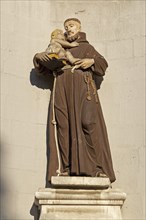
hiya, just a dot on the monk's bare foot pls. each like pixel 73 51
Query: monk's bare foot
pixel 101 174
pixel 65 172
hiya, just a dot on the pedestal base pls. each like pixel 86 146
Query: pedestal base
pixel 77 203
pixel 85 212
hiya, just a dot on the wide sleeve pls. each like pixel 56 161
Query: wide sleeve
pixel 100 64
pixel 48 64
pixel 39 67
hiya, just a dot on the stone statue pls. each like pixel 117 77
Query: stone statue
pixel 78 140
pixel 57 45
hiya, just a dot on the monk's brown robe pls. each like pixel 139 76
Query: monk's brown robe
pixel 81 130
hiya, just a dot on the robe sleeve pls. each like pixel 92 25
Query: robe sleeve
pixel 48 65
pixel 39 67
pixel 100 64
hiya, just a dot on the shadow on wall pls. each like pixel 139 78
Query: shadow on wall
pixel 41 82
pixel 3 185
pixel 6 185
pixel 35 212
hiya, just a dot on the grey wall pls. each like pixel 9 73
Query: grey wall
pixel 116 29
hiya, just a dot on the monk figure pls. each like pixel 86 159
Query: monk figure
pixel 79 146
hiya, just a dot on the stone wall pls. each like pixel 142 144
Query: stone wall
pixel 116 29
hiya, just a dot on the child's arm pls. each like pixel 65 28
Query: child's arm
pixel 64 43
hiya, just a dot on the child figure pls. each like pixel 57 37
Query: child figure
pixel 58 44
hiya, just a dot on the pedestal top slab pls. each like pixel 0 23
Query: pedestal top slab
pixel 82 196
pixel 80 182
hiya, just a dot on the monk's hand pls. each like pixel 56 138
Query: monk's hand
pixel 85 63
pixel 42 56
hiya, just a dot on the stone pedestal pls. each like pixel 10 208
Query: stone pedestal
pixel 80 198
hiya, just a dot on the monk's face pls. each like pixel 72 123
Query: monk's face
pixel 72 28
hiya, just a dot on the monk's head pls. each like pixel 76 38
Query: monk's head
pixel 72 26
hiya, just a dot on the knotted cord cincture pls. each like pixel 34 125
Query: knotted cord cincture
pixel 90 84
pixel 55 126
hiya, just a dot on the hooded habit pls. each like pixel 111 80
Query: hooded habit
pixel 81 131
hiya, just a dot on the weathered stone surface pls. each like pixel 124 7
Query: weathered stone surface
pixel 81 212
pixel 79 204
pixel 80 182
pixel 45 194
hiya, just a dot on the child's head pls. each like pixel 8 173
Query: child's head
pixel 57 33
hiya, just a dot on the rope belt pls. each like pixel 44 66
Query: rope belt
pixel 55 126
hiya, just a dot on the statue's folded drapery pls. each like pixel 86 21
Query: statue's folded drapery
pixel 81 130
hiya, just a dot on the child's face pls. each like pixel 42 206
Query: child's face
pixel 57 34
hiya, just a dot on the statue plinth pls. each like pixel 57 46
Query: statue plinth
pixel 80 182
pixel 74 199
